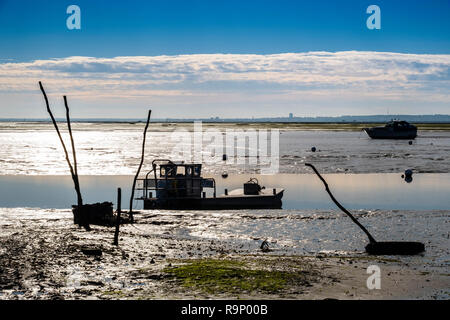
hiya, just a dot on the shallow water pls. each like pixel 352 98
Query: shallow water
pixel 114 149
pixel 302 191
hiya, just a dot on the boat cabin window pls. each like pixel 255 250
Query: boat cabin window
pixel 181 171
pixel 197 170
pixel 168 171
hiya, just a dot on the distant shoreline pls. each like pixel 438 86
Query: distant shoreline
pixel 326 126
pixel 345 119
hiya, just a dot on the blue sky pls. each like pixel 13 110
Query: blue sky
pixel 36 30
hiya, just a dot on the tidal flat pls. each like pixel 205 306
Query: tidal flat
pixel 315 251
pixel 169 255
pixel 114 149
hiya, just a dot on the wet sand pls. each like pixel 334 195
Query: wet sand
pixel 41 258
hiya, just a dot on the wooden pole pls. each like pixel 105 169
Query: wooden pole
pixel 77 182
pixel 119 201
pixel 371 239
pixel 72 172
pixel 140 166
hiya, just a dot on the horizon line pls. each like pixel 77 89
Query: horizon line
pixel 254 119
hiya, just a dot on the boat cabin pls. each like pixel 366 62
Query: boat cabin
pixel 180 186
pixel 169 179
pixel 394 129
pixel 399 125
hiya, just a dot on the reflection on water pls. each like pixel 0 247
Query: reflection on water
pixel 114 149
pixel 302 191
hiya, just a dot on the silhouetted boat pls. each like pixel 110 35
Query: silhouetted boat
pixel 179 186
pixel 394 129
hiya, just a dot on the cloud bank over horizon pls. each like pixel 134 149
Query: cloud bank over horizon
pixel 232 85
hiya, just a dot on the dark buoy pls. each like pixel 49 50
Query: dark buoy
pixel 224 175
pixel 408 175
pixel 224 157
pixel 313 149
pixel 410 142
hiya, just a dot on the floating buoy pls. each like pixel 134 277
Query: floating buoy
pixel 408 175
pixel 313 149
pixel 224 175
pixel 410 142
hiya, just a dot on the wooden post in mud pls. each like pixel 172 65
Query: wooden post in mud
pixel 371 239
pixel 72 172
pixel 140 166
pixel 119 205
pixel 74 154
pixel 375 247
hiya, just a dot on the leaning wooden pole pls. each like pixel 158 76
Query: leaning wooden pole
pixel 140 166
pixel 74 154
pixel 72 172
pixel 371 239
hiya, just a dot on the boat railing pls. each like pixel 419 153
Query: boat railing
pixel 147 185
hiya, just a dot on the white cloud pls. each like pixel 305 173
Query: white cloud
pixel 350 74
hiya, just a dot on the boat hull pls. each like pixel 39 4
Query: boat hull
pixel 381 133
pixel 229 202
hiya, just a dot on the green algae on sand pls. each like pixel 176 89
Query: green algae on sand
pixel 233 276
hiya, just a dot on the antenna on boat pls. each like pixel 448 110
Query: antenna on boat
pixel 140 166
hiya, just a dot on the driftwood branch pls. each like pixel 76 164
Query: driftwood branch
pixel 140 165
pixel 72 172
pixel 371 239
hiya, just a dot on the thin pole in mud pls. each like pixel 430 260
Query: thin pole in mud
pixel 140 166
pixel 75 165
pixel 119 205
pixel 72 172
pixel 371 239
